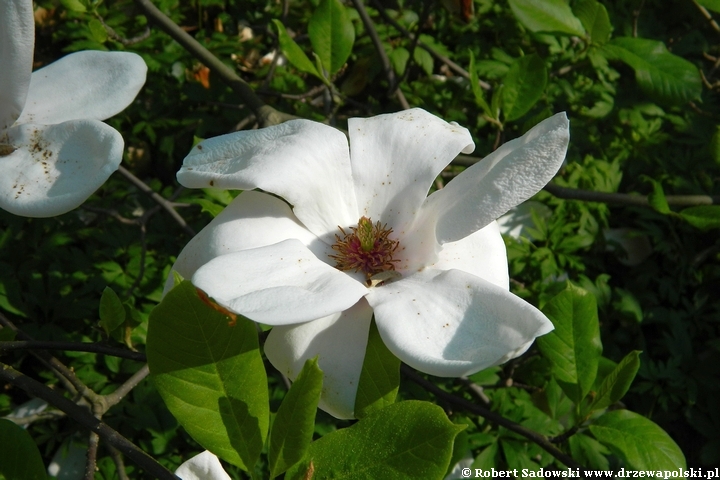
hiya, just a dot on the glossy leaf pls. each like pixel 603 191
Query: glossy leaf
pixel 292 429
pixel 379 378
pixel 112 311
pixel 616 383
pixel 594 17
pixel 524 85
pixel 210 374
pixel 574 347
pixel 20 459
pixel 552 16
pixel 659 73
pixel 332 34
pixel 293 52
pixel 641 443
pixel 702 216
pixel 407 440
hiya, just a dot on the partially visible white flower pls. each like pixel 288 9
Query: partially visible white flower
pixel 203 466
pixel 362 238
pixel 54 150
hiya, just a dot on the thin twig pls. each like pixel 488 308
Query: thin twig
pixel 87 420
pixel 541 440
pixel 119 463
pixel 114 398
pixel 168 206
pixel 265 113
pixel 73 347
pixel 707 16
pixel 629 199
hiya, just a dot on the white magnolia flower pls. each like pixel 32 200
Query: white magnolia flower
pixel 203 466
pixel 362 237
pixel 54 151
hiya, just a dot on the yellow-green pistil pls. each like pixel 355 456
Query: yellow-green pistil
pixel 366 248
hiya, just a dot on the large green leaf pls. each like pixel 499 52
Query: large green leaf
pixel 293 52
pixel 594 17
pixel 210 374
pixel 659 73
pixel 524 85
pixel 294 423
pixel 639 441
pixel 616 383
pixel 379 378
pixel 574 347
pixel 19 456
pixel 407 440
pixel 332 34
pixel 547 16
pixel 703 216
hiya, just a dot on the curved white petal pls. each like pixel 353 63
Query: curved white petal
pixel 279 284
pixel 482 254
pixel 17 41
pixel 253 219
pixel 55 168
pixel 340 341
pixel 90 84
pixel 203 466
pixel 306 163
pixel 451 323
pixel 507 177
pixel 395 159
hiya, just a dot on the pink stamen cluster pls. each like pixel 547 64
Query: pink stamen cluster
pixel 366 248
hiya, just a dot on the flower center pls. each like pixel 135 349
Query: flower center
pixel 366 248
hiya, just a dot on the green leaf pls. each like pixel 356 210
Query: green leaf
pixel 552 16
pixel 574 347
pixel 589 452
pixel 74 5
pixel 616 384
pixel 713 5
pixel 424 60
pixel 293 53
pixel 703 216
pixel 524 85
pixel 112 311
pixel 407 440
pixel 659 73
pixel 476 89
pixel 332 34
pixel 210 374
pixel 595 19
pixel 379 378
pixel 294 423
pixel 399 58
pixel 208 206
pixel 98 31
pixel 639 441
pixel 487 459
pixel 657 198
pixel 20 459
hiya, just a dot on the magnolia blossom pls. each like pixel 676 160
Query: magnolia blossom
pixel 358 236
pixel 203 466
pixel 54 151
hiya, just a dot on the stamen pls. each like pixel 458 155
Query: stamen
pixel 366 248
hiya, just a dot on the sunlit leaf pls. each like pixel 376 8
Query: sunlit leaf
pixel 293 52
pixel 332 34
pixel 594 17
pixel 616 383
pixel 554 16
pixel 523 86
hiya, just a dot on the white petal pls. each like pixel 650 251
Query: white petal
pixel 304 162
pixel 280 284
pixel 203 466
pixel 340 341
pixel 56 168
pixel 482 254
pixel 510 175
pixel 395 159
pixel 17 41
pixel 452 323
pixel 88 84
pixel 253 219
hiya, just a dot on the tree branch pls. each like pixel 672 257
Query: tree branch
pixel 540 440
pixel 628 199
pixel 265 113
pixel 73 347
pixel 87 420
